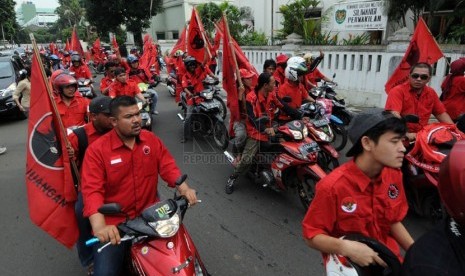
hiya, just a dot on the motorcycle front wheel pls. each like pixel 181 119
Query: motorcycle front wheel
pixel 223 108
pixel 306 189
pixel 340 136
pixel 220 135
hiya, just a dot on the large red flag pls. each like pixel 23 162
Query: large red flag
pixel 181 43
pixel 242 60
pixel 50 188
pixel 423 48
pixel 67 45
pixel 230 84
pixel 197 47
pixel 75 43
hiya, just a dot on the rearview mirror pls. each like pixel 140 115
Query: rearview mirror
pixel 334 75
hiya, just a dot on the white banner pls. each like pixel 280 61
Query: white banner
pixel 360 16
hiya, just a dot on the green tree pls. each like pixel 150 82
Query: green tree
pixel 211 12
pixel 8 19
pixel 297 19
pixel 70 13
pixel 109 16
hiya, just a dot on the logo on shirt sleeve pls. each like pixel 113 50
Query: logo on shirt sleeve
pixel 393 191
pixel 348 204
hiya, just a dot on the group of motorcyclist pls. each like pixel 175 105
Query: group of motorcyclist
pixel 365 195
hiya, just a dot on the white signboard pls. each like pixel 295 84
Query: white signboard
pixel 360 16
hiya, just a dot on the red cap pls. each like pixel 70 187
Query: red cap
pixel 282 58
pixel 457 67
pixel 246 74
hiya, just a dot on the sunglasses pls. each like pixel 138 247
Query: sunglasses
pixel 422 77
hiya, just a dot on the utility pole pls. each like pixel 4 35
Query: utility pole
pixel 3 34
pixel 272 15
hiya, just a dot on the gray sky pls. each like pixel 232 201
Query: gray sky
pixel 39 3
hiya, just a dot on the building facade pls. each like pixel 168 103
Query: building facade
pixel 28 15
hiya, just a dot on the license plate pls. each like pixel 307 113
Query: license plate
pixel 320 123
pixel 310 147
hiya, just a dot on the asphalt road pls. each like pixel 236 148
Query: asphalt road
pixel 254 231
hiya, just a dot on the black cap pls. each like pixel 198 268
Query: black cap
pixel 363 122
pixel 100 104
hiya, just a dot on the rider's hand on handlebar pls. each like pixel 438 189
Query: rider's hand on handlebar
pixel 270 131
pixel 189 193
pixel 109 233
pixel 361 254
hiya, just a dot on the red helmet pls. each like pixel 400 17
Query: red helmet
pixel 452 182
pixel 64 80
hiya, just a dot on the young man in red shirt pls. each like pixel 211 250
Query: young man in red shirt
pixel 123 167
pixel 414 97
pixel 80 70
pixel 365 195
pixel 281 63
pixel 71 105
pixel 453 89
pixel 122 86
pixel 107 81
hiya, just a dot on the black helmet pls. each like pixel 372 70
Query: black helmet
pixel 339 265
pixel 189 60
pixel 75 58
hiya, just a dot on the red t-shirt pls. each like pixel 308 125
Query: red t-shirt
pixel 311 77
pixel 347 201
pixel 279 75
pixel 129 88
pixel 81 72
pixel 104 83
pixel 405 101
pixel 261 107
pixel 138 76
pixel 112 172
pixel 76 113
pixel 455 99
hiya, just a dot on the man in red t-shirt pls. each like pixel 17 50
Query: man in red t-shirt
pixel 278 74
pixel 123 167
pixel 416 98
pixel 80 70
pixel 365 195
pixel 124 87
pixel 107 81
pixel 453 89
pixel 70 104
pixel 312 62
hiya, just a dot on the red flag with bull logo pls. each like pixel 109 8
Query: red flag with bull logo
pixel 423 48
pixel 196 44
pixel 50 188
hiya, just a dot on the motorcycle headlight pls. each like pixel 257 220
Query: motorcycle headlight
pixel 8 91
pixel 297 134
pixel 168 227
pixel 207 95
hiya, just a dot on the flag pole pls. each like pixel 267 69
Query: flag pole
pixel 55 109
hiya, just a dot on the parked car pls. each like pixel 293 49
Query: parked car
pixel 8 81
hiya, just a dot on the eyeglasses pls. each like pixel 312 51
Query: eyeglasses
pixel 422 77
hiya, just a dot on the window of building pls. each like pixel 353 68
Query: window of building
pixel 161 35
pixel 175 35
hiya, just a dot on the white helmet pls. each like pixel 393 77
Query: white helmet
pixel 291 73
pixel 296 61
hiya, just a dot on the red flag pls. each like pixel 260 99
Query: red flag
pixel 115 43
pixel 49 181
pixel 230 84
pixel 181 43
pixel 423 48
pixel 53 48
pixel 67 46
pixel 242 60
pixel 75 43
pixel 196 44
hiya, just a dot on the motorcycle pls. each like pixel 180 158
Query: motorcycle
pixel 86 88
pixel 160 243
pixel 316 120
pixel 210 85
pixel 206 117
pixel 295 165
pixel 421 166
pixel 338 115
pixel 146 110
